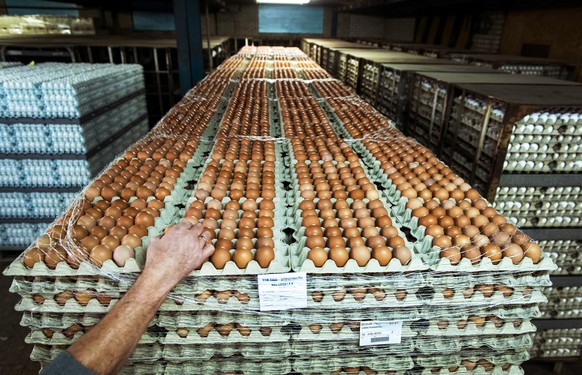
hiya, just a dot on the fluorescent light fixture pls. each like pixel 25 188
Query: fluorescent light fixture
pixel 282 1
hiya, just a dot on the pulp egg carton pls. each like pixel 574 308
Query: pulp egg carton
pixel 227 367
pixel 231 334
pixel 565 254
pixel 49 138
pixel 441 281
pixel 456 329
pixel 348 332
pixel 33 205
pixel 100 284
pixel 293 320
pixel 59 338
pixel 496 299
pixel 20 235
pixel 155 368
pixel 500 358
pixel 65 90
pixel 61 321
pixel 498 313
pixel 108 269
pixel 432 345
pixel 547 196
pixel 29 173
pixel 349 364
pixel 50 305
pixel 197 352
pixel 142 353
pixel 563 302
pixel 478 370
pixel 558 342
pixel 564 216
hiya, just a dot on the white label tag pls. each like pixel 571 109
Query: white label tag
pixel 380 332
pixel 282 291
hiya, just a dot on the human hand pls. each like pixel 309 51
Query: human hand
pixel 180 251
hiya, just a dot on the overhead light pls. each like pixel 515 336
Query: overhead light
pixel 282 1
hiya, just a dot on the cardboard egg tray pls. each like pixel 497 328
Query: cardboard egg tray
pixel 279 350
pixel 510 357
pixel 307 365
pixel 478 370
pixel 58 338
pixel 142 353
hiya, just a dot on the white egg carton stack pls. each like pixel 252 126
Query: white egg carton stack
pixel 59 125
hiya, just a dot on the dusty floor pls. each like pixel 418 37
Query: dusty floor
pixel 14 352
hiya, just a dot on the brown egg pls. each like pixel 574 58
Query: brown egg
pixel 442 242
pixel 501 238
pixel 242 256
pixel 382 254
pixel 493 252
pixel 471 231
pixel 144 219
pixel 339 255
pixel 264 256
pixel 514 252
pixel 434 230
pixel 480 240
pixel 452 254
pixel 462 221
pixel 461 240
pixel 99 232
pixel 532 250
pixel 438 212
pixel 453 231
pixel 361 254
pixel 131 240
pixel 220 257
pixel 428 220
pixel 99 254
pixel 32 256
pixel 472 253
pixel 490 229
pixel 121 254
pixel 318 256
pixel 403 254
pixel 88 243
pixel 420 212
pixel 446 221
pixel 315 242
pixel 110 241
pixel 139 230
pixel 479 221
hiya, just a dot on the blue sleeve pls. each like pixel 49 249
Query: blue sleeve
pixel 66 364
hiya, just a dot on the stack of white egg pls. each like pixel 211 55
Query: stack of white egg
pixel 59 125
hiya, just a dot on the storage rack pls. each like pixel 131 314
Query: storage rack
pixel 323 51
pixel 431 101
pixel 106 131
pixel 392 94
pixel 519 64
pixel 155 52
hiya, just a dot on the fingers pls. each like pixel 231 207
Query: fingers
pixel 206 235
pixel 184 224
pixel 207 251
pixel 196 230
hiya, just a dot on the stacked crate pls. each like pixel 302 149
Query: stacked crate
pixel 60 124
pixel 277 168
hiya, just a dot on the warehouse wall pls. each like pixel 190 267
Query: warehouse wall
pixel 560 29
pixel 399 29
pixel 487 35
pixel 359 26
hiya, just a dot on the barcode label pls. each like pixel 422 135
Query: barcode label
pixel 380 332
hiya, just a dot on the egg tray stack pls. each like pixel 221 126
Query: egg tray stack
pixel 456 317
pixel 430 254
pixel 59 126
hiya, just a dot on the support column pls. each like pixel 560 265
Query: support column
pixel 189 40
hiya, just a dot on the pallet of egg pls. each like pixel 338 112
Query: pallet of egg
pixel 56 135
pixel 401 159
pixel 524 65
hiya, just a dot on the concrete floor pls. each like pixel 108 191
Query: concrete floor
pixel 14 352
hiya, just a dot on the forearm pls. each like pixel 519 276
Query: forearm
pixel 106 347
